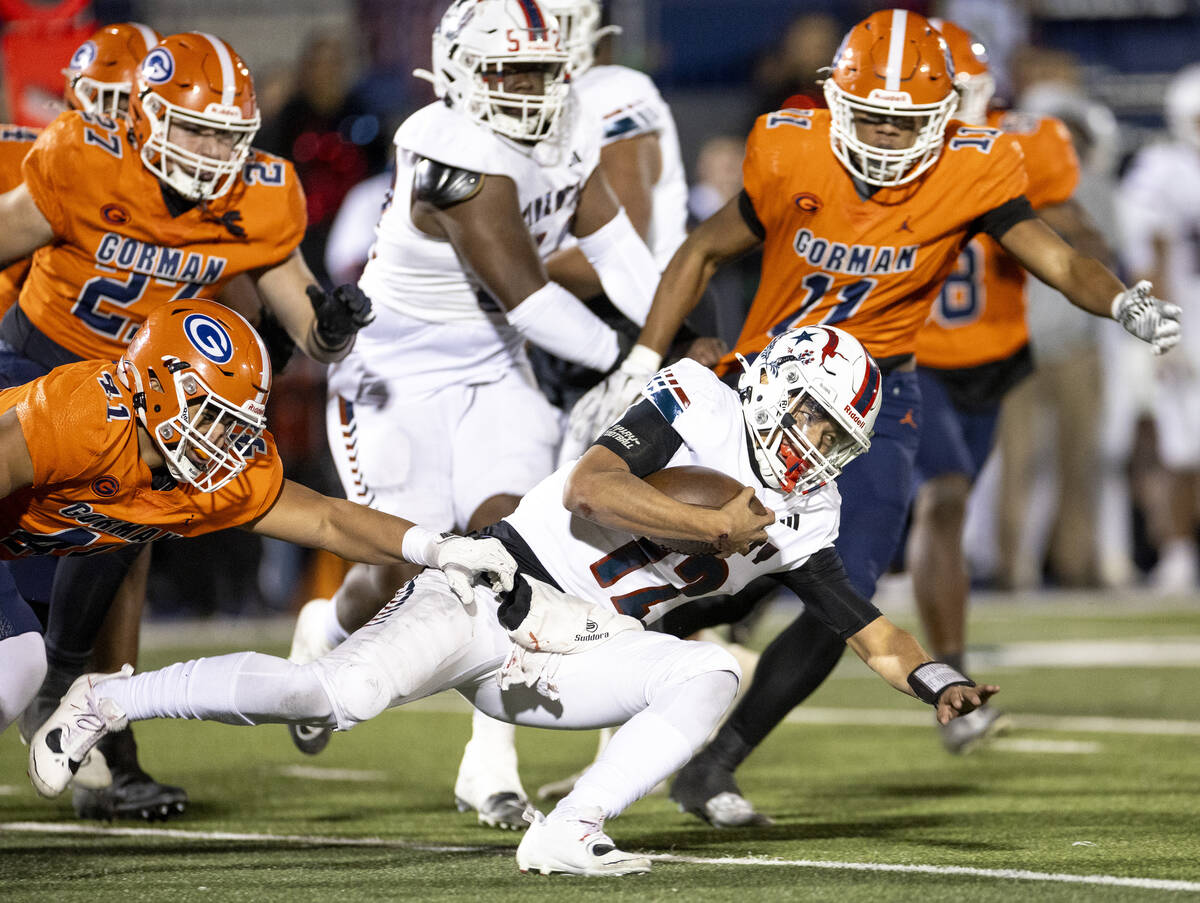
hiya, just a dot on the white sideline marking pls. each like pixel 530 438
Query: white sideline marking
pixel 1157 652
pixel 316 840
pixel 1027 745
pixel 7 790
pixel 314 773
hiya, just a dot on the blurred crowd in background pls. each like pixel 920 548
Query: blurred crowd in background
pixel 1076 494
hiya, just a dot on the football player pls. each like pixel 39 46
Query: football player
pixel 640 157
pixel 973 349
pixel 170 441
pixel 489 181
pixel 567 648
pixel 171 203
pixel 863 234
pixel 1160 224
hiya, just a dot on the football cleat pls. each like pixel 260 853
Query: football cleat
pixel 309 643
pixel 968 732
pixel 129 792
pixel 710 793
pixel 81 719
pixel 574 843
pixel 505 811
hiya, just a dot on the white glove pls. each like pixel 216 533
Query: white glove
pixel 1150 319
pixel 605 402
pixel 462 559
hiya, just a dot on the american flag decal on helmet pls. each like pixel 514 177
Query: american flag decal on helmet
pixel 667 395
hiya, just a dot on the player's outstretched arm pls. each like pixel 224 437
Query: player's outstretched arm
pixel 16 466
pixel 25 227
pixel 358 533
pixel 602 489
pixel 322 323
pixel 897 657
pixel 1090 285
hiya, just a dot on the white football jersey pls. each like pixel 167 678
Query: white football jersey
pixel 1160 196
pixel 611 567
pixel 421 276
pixel 629 105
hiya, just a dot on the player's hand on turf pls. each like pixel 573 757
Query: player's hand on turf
pixel 1150 319
pixel 707 350
pixel 340 313
pixel 464 560
pixel 959 699
pixel 747 520
pixel 606 401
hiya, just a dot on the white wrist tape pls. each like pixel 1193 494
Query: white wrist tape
pixel 929 680
pixel 419 544
pixel 624 264
pixel 641 360
pixel 554 319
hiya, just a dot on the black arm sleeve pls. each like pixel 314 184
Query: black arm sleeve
pixel 642 438
pixel 1000 219
pixel 822 584
pixel 746 208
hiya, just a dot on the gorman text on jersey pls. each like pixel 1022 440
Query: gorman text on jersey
pixel 160 262
pixel 836 257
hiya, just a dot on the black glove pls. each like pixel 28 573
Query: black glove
pixel 340 314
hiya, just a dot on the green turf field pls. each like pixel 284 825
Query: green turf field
pixel 1093 796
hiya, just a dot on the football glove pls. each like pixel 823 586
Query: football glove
pixel 463 559
pixel 1150 319
pixel 605 402
pixel 340 313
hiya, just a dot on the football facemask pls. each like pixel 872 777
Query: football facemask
pixel 101 72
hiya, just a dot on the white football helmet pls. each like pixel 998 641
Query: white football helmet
pixel 472 45
pixel 806 374
pixel 1182 105
pixel 579 21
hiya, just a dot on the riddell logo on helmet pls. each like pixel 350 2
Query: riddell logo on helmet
pixel 891 96
pixel 855 416
pixel 226 110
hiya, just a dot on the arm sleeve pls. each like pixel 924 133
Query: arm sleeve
pixel 624 265
pixel 1000 219
pixel 822 584
pixel 642 439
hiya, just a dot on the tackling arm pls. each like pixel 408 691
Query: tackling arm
pixel 25 228
pixel 16 466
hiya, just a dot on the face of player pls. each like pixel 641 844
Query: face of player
pixel 817 427
pixel 203 141
pixel 517 78
pixel 887 132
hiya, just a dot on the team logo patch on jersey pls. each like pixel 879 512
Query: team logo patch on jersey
pixel 209 337
pixel 106 486
pixel 114 214
pixel 158 66
pixel 807 202
pixel 83 57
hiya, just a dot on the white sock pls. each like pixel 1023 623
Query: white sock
pixel 334 631
pixel 22 670
pixel 242 688
pixel 489 762
pixel 653 744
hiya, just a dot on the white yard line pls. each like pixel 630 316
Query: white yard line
pixel 318 840
pixel 316 773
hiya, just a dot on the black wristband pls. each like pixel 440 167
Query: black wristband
pixel 931 679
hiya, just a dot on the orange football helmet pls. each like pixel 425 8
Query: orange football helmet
pixel 200 377
pixel 971 73
pixel 891 65
pixel 100 74
pixel 194 114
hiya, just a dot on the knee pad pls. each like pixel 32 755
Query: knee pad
pixel 358 690
pixel 697 657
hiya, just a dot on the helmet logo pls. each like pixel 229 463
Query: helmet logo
pixel 208 337
pixel 158 66
pixel 84 56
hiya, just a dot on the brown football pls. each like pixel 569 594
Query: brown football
pixel 695 485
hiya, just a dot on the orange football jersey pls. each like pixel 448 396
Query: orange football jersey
pixel 979 316
pixel 873 266
pixel 119 253
pixel 15 142
pixel 90 487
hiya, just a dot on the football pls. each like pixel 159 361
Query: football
pixel 694 485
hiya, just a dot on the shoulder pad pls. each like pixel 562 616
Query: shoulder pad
pixel 444 186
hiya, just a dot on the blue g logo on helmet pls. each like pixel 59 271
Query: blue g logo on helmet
pixel 158 66
pixel 83 57
pixel 208 337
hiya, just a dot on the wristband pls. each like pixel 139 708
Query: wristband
pixel 419 544
pixel 641 359
pixel 931 679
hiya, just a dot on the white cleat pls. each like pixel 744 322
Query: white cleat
pixel 966 733
pixel 574 843
pixel 81 719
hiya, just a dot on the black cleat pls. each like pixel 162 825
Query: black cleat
pixel 309 739
pixel 709 792
pixel 132 793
